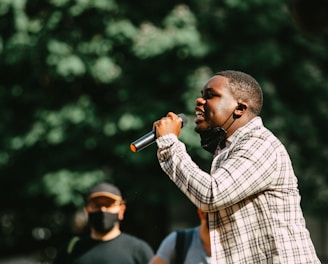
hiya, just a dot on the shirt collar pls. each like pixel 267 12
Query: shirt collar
pixel 255 122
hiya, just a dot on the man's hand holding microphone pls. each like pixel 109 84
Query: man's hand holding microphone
pixel 171 123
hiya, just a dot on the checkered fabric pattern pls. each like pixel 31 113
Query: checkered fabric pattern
pixel 251 195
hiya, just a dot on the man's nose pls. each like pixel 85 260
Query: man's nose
pixel 200 101
pixel 103 208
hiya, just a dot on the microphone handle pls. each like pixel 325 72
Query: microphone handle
pixel 143 142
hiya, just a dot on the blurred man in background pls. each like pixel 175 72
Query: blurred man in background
pixel 106 243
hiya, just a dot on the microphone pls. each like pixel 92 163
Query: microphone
pixel 150 137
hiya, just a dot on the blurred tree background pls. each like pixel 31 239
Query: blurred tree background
pixel 81 79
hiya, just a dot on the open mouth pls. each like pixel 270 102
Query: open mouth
pixel 199 114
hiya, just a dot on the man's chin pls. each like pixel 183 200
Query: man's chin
pixel 200 129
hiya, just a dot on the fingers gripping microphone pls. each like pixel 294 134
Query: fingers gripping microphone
pixel 150 137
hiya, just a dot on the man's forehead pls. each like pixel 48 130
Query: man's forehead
pixel 216 81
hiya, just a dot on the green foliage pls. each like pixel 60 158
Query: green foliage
pixel 64 185
pixel 179 32
pixel 81 79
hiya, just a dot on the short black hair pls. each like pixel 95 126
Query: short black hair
pixel 244 87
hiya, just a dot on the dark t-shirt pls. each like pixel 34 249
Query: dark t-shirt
pixel 124 249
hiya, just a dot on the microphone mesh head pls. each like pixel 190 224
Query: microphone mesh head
pixel 184 119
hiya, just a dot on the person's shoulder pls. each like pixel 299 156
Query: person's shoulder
pixel 132 239
pixel 187 233
pixel 136 244
pixel 173 234
pixel 188 230
pixel 193 229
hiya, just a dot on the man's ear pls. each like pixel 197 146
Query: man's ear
pixel 240 110
pixel 122 211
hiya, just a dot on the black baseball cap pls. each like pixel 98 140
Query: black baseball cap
pixel 105 190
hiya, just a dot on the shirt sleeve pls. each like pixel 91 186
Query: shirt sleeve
pixel 237 172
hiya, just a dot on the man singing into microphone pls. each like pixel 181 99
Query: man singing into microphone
pixel 251 193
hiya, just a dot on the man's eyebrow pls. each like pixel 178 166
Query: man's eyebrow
pixel 207 89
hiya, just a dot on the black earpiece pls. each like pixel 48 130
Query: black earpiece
pixel 240 106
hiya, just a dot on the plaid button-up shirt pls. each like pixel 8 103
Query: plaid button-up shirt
pixel 251 196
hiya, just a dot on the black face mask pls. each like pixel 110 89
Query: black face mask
pixel 212 137
pixel 102 222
